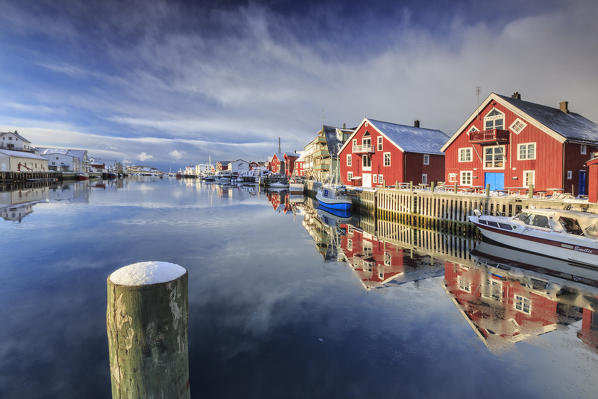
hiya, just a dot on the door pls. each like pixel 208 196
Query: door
pixel 367 180
pixel 582 182
pixel 496 181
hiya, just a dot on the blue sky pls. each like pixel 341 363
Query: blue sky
pixel 167 83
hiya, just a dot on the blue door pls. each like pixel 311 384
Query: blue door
pixel 496 180
pixel 582 182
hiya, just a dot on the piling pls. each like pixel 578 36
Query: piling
pixel 146 321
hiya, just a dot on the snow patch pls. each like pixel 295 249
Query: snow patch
pixel 145 273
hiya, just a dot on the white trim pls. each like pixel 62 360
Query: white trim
pixel 472 129
pixel 526 151
pixel 504 158
pixel 583 149
pixel 426 158
pixel 494 118
pixel 523 300
pixel 452 177
pixel 380 143
pixel 366 168
pixel 380 179
pixel 349 160
pixel 470 178
pixel 510 107
pixel 525 180
pixel 424 178
pixel 349 176
pixel 569 175
pixel 384 159
pixel 512 128
pixel 470 154
pixel 366 120
pixel 375 178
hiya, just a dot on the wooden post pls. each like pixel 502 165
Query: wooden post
pixel 530 191
pixel 432 186
pixel 146 321
pixel 411 186
pixel 455 188
pixel 487 190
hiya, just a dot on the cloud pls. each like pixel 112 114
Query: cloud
pixel 144 157
pixel 176 154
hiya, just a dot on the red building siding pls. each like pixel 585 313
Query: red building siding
pixel 289 164
pixel 275 164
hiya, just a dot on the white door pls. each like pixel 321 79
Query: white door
pixel 367 179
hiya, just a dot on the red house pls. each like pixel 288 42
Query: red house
pixel 283 163
pixel 383 153
pixel 277 164
pixel 512 144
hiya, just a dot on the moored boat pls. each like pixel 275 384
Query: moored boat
pixel 83 176
pixel 278 185
pixel 334 197
pixel 561 234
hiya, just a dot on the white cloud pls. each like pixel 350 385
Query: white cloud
pixel 176 154
pixel 144 157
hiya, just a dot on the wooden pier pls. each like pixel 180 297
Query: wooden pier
pixel 16 177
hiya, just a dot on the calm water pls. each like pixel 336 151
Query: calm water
pixel 284 303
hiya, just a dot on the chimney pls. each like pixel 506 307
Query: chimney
pixel 416 123
pixel 344 125
pixel 564 106
pixel 516 96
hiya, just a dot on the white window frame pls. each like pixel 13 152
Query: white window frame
pixel 349 176
pixel 463 172
pixel 426 159
pixel 424 178
pixel 363 167
pixel 464 151
pixel 513 125
pixel 523 300
pixel 380 179
pixel 569 175
pixel 387 258
pixel 472 129
pixel 380 141
pixel 349 244
pixel 464 284
pixel 527 145
pixel 494 118
pixel 354 145
pixel 375 178
pixel 389 159
pixel 349 160
pixel 452 177
pixel 583 149
pixel 494 167
pixel 525 180
pixel 488 291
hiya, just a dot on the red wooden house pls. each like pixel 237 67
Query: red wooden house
pixel 283 163
pixel 277 163
pixel 511 144
pixel 383 153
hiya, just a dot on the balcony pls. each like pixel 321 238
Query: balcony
pixel 489 136
pixel 363 149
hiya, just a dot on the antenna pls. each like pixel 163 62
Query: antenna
pixel 279 144
pixel 477 92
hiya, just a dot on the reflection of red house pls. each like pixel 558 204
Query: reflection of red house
pixel 277 202
pixel 253 165
pixel 501 310
pixel 375 262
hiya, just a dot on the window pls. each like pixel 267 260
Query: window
pixel 380 140
pixel 367 162
pixel 387 258
pixel 452 177
pixel 463 283
pixel 380 179
pixel 349 160
pixel 426 159
pixel 465 178
pixel 523 304
pixel 518 126
pixel 366 141
pixel 349 176
pixel 494 120
pixel 465 154
pixel 493 289
pixel 526 151
pixel 583 149
pixel 354 144
pixel 424 178
pixel 569 174
pixel 494 157
pixel 473 129
pixel 375 179
pixel 387 159
pixel 350 244
pixel 529 177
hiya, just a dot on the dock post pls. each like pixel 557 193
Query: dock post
pixel 146 321
pixel 487 190
pixel 530 191
pixel 455 188
pixel 432 186
pixel 410 186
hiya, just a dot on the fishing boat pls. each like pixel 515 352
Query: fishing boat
pixel 83 176
pixel 561 234
pixel 334 196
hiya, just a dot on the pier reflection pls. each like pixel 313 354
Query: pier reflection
pixel 505 296
pixel 17 203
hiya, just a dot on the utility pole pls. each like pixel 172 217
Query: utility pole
pixel 279 145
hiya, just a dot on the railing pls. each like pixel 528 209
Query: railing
pixel 363 148
pixel 489 136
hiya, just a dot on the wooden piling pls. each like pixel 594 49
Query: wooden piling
pixel 146 321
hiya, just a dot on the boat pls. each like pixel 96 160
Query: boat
pixel 278 185
pixel 296 186
pixel 83 176
pixel 562 234
pixel 334 197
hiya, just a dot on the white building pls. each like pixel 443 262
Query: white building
pixel 14 141
pixel 64 159
pixel 238 166
pixel 203 169
pixel 20 161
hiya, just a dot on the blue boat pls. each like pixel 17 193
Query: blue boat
pixel 334 197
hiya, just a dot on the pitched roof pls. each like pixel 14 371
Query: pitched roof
pixel 412 139
pixel 570 125
pixel 22 154
pixel 16 134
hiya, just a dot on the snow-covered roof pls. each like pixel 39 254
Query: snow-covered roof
pixel 570 125
pixel 22 154
pixel 412 139
pixel 17 135
pixel 64 151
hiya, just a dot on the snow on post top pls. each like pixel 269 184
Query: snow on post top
pixel 146 273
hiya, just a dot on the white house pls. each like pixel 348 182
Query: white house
pixel 64 159
pixel 238 166
pixel 14 141
pixel 20 161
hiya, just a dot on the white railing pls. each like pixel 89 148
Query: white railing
pixel 363 148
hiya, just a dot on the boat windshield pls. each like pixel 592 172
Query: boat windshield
pixel 524 217
pixel 570 225
pixel 540 221
pixel 592 231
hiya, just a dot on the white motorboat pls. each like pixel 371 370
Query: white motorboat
pixel 296 186
pixel 278 185
pixel 561 234
pixel 334 197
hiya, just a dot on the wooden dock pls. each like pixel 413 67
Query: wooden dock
pixel 17 177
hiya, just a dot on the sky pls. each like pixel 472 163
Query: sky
pixel 167 84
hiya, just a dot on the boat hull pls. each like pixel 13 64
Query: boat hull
pixel 540 245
